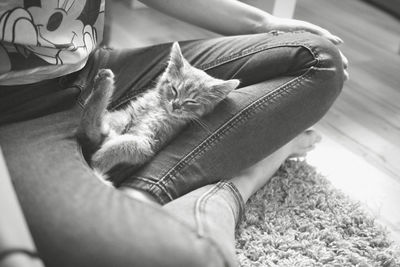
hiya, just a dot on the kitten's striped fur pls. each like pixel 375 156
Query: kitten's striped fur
pixel 135 133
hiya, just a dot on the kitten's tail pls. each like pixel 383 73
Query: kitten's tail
pixel 92 128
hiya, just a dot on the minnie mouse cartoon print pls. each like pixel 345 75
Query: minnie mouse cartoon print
pixel 37 34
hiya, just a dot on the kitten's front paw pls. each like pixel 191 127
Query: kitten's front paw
pixel 104 79
pixel 104 74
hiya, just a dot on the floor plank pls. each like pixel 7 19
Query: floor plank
pixel 375 190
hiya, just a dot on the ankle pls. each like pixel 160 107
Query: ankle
pixel 243 186
pixel 250 180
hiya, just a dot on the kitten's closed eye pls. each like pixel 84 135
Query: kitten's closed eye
pixel 192 105
pixel 191 102
pixel 174 91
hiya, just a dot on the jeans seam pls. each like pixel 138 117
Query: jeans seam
pixel 239 117
pixel 152 183
pixel 199 210
pixel 251 51
pixel 239 200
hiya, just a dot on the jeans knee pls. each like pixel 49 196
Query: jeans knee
pixel 329 59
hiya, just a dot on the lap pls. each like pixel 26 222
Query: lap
pixel 65 204
pixel 254 120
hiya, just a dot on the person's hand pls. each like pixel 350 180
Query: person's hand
pixel 289 25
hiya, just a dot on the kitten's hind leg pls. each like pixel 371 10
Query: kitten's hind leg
pixel 92 127
pixel 126 148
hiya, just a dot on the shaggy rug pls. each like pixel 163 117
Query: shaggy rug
pixel 299 219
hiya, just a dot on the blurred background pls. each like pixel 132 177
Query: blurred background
pixel 360 152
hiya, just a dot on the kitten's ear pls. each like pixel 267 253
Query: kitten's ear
pixel 227 86
pixel 176 57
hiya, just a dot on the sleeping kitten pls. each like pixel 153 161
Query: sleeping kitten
pixel 135 133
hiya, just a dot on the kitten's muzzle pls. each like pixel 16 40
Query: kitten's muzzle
pixel 176 105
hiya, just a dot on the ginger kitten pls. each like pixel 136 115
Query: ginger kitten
pixel 135 133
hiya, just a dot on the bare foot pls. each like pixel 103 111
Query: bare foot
pixel 254 177
pixel 304 143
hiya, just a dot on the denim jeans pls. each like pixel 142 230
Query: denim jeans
pixel 288 82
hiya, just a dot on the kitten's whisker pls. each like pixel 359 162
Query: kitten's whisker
pixel 245 93
pixel 202 124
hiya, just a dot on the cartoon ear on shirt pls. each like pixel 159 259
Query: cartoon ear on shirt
pixel 17 26
pixel 58 32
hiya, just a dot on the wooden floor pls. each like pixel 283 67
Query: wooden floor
pixel 361 148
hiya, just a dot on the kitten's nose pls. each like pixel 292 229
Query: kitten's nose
pixel 175 105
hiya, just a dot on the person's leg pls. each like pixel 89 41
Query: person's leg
pixel 289 81
pixel 214 210
pixel 249 180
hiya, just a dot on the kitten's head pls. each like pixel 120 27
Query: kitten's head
pixel 189 92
